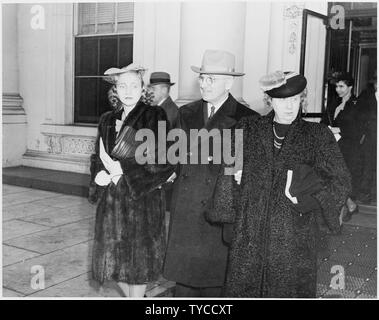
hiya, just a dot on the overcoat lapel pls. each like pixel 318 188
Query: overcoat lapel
pixel 193 119
pixel 222 119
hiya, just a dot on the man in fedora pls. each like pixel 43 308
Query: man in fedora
pixel 159 86
pixel 196 254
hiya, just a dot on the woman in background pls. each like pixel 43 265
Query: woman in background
pixel 344 119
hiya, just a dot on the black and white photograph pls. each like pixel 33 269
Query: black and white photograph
pixel 156 150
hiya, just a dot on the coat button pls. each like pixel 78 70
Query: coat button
pixel 184 175
pixel 204 202
pixel 208 181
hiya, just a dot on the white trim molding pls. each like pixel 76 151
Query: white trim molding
pixel 68 148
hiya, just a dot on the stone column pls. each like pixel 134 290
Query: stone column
pixel 157 37
pixel 14 117
pixel 257 36
pixel 209 26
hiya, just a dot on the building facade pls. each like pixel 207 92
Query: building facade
pixel 39 125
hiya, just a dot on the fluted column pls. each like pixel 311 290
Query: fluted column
pixel 14 117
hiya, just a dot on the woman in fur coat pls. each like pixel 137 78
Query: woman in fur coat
pixel 130 232
pixel 292 172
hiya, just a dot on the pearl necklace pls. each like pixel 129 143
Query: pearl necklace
pixel 280 138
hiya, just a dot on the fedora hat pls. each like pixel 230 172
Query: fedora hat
pixel 283 84
pixel 111 74
pixel 160 77
pixel 217 62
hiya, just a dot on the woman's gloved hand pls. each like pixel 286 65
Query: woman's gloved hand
pixel 306 203
pixel 238 176
pixel 102 178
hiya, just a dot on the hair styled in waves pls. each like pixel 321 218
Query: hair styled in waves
pixel 115 102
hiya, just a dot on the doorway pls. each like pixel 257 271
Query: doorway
pixel 354 48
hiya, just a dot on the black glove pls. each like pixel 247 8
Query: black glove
pixel 305 182
pixel 306 203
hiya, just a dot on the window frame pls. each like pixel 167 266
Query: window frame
pixel 75 35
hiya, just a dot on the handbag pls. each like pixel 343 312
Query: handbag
pixel 125 144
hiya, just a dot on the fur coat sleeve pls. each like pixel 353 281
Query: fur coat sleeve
pixel 331 167
pixel 96 165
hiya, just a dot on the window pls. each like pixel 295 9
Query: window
pixel 104 39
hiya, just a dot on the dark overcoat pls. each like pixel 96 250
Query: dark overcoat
pixel 196 255
pixel 273 250
pixel 349 120
pixel 130 237
pixel 172 111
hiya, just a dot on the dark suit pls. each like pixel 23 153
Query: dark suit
pixel 349 122
pixel 171 111
pixel 196 255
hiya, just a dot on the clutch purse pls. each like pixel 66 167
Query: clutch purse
pixel 301 181
pixel 125 144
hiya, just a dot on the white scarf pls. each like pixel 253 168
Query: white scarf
pixel 341 106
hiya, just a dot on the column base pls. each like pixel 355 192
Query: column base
pixel 67 148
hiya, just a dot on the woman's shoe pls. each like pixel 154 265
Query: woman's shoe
pixel 349 214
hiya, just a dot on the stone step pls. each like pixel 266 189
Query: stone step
pixel 64 182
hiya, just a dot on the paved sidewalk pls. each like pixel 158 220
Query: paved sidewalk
pixel 55 231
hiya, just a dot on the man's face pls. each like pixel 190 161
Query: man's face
pixel 343 89
pixel 214 87
pixel 129 88
pixel 160 92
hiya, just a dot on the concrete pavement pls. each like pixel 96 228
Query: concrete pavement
pixel 55 231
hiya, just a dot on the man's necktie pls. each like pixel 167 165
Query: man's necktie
pixel 212 112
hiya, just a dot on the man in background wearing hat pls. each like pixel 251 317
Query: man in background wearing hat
pixel 196 255
pixel 159 86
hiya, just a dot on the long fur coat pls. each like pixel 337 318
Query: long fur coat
pixel 130 236
pixel 273 253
